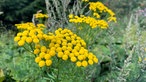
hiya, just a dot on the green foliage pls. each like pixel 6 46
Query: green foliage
pixel 20 10
pixel 16 63
pixel 124 7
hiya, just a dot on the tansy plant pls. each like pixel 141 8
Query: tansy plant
pixel 64 45
pixel 95 20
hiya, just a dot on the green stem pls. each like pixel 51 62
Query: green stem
pixel 27 50
pixel 31 47
pixel 58 61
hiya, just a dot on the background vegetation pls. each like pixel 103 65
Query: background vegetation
pixel 121 48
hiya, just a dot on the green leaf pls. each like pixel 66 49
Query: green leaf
pixel 101 52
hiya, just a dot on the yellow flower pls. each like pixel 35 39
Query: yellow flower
pixel 21 42
pixel 52 49
pixel 28 39
pixel 90 62
pixel 77 48
pixel 68 38
pixel 37 59
pixel 40 36
pixel 17 38
pixel 78 64
pixel 42 55
pixel 60 54
pixel 73 37
pixel 52 53
pixel 43 49
pixel 84 63
pixel 64 48
pixel 71 55
pixel 40 15
pixel 69 48
pixel 64 43
pixel 96 15
pixel 76 53
pixel 73 42
pixel 81 51
pixel 112 19
pixel 37 46
pixel 58 41
pixel 51 45
pixel 90 56
pixel 42 63
pixel 19 34
pixel 73 59
pixel 57 45
pixel 95 60
pixel 58 49
pixel 23 38
pixel 25 33
pixel 64 57
pixel 69 44
pixel 36 51
pixel 47 56
pixel 40 25
pixel 48 62
pixel 80 57
pixel 66 52
pixel 71 16
pixel 57 32
pixel 36 40
pixel 48 50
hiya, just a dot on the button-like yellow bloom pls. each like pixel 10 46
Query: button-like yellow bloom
pixel 35 40
pixel 36 51
pixel 41 63
pixel 64 57
pixel 42 55
pixel 17 38
pixel 21 42
pixel 40 15
pixel 37 59
pixel 28 39
pixel 58 49
pixel 43 49
pixel 60 54
pixel 90 62
pixel 78 64
pixel 71 16
pixel 48 62
pixel 52 52
pixel 73 59
pixel 95 60
pixel 80 57
pixel 71 55
pixel 84 63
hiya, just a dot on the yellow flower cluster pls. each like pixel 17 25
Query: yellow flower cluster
pixel 89 20
pixel 67 46
pixel 63 44
pixel 98 6
pixel 95 20
pixel 40 15
pixel 30 33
